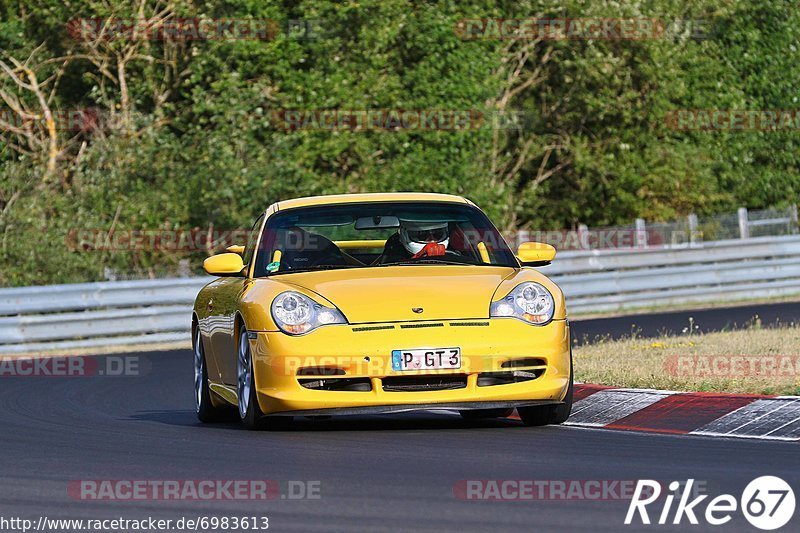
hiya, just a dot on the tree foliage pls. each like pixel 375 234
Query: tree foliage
pixel 181 133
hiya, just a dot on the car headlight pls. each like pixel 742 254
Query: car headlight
pixel 296 313
pixel 529 301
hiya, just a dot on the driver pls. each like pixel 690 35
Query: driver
pixel 415 240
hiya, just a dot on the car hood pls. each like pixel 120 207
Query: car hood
pixel 389 294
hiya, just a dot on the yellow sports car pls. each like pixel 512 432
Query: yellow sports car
pixel 380 303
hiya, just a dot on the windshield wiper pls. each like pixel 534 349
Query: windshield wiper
pixel 311 269
pixel 428 261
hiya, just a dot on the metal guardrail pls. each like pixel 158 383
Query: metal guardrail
pixel 133 312
pixel 616 280
pixel 96 314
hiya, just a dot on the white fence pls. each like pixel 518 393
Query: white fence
pixel 130 312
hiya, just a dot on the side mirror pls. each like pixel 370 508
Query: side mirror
pixel 535 254
pixel 235 249
pixel 228 264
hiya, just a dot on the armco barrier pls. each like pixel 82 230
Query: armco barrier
pixel 133 312
pixel 615 280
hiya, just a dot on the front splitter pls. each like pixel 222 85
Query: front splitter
pixel 405 408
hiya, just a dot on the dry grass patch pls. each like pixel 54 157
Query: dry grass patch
pixel 755 360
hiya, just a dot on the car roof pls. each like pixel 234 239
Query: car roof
pixel 370 197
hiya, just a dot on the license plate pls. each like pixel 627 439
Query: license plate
pixel 426 359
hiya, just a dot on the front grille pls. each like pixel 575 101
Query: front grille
pixel 488 379
pixel 371 328
pixel 338 384
pixel 469 324
pixel 424 383
pixel 411 326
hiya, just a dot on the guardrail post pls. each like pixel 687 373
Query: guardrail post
pixel 640 238
pixel 583 237
pixel 744 230
pixel 184 268
pixel 793 218
pixel 692 221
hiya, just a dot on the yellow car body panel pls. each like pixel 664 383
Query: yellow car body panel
pixel 367 353
pixel 395 291
pixel 387 308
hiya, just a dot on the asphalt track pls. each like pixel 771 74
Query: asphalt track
pixel 678 322
pixel 379 473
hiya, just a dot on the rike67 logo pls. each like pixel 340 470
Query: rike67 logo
pixel 767 503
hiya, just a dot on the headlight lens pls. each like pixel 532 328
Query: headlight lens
pixel 529 301
pixel 296 313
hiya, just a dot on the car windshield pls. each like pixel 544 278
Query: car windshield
pixel 379 234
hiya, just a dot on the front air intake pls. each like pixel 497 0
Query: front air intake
pixel 527 361
pixel 338 384
pixel 424 383
pixel 489 379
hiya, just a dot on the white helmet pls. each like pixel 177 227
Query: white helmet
pixel 415 235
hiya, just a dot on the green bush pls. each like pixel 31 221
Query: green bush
pixel 194 143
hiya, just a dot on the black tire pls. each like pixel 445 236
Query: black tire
pixel 250 412
pixel 479 414
pixel 207 409
pixel 550 414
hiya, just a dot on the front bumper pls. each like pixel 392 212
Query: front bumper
pixel 290 371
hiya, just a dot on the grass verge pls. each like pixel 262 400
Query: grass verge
pixel 753 361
